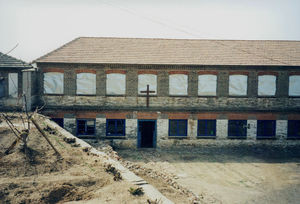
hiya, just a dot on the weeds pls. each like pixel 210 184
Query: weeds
pixel 136 191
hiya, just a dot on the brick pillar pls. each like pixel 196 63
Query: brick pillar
pixel 251 129
pixel 222 84
pixel 222 129
pixel 70 123
pixel 281 129
pixel 100 82
pixel 193 84
pixel 282 84
pixel 252 84
pixel 131 83
pixel 69 82
pixel 100 126
pixel 163 83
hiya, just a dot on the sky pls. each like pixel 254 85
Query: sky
pixel 35 27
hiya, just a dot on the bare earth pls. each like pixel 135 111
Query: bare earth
pixel 229 174
pixel 43 178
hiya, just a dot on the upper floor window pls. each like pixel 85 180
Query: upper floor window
pixel 86 84
pixel 294 85
pixel 207 85
pixel 115 84
pixel 13 85
pixel 266 85
pixel 53 83
pixel 178 84
pixel 147 79
pixel 238 85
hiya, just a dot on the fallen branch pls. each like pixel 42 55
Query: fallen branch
pixel 11 146
pixel 44 135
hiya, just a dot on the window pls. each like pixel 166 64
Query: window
pixel 115 127
pixel 86 84
pixel 53 83
pixel 85 126
pixel 147 79
pixel 178 84
pixel 294 85
pixel 294 129
pixel 2 87
pixel 177 127
pixel 13 85
pixel 266 129
pixel 237 128
pixel 115 84
pixel 207 128
pixel 238 85
pixel 59 121
pixel 207 85
pixel 266 85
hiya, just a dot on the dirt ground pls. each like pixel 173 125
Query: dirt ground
pixel 41 177
pixel 247 174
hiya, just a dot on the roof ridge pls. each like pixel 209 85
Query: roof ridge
pixel 192 39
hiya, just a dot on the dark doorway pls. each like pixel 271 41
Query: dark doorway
pixel 147 133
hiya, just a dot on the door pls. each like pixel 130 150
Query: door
pixel 147 133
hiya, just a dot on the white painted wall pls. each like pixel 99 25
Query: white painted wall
pixel 162 129
pixel 13 85
pixel 222 129
pixel 294 85
pixel 207 85
pixel 86 84
pixel 266 85
pixel 115 84
pixel 131 128
pixel 192 128
pixel 281 129
pixel 147 79
pixel 252 130
pixel 238 85
pixel 178 84
pixel 53 83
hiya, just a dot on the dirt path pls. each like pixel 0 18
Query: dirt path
pixel 238 175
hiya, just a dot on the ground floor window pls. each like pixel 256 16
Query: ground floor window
pixel 85 126
pixel 2 87
pixel 237 128
pixel 115 127
pixel 266 129
pixel 59 121
pixel 294 129
pixel 177 127
pixel 207 128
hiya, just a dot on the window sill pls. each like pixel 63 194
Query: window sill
pixel 85 94
pixel 266 96
pixel 237 137
pixel 293 96
pixel 145 95
pixel 243 96
pixel 114 137
pixel 177 137
pixel 266 138
pixel 293 138
pixel 206 137
pixel 86 136
pixel 202 96
pixel 185 96
pixel 123 95
pixel 53 94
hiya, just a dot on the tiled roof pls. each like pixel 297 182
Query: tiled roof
pixel 176 52
pixel 11 62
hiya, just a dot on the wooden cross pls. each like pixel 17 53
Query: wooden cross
pixel 148 94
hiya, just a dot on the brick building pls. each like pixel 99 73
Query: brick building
pixel 201 90
pixel 16 78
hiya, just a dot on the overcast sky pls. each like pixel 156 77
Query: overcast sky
pixel 39 27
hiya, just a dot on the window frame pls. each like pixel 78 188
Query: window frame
pixel 95 85
pixel 199 81
pixel 83 119
pixel 187 86
pixel 206 135
pixel 115 121
pixel 247 86
pixel 289 136
pixel 230 136
pixel 107 83
pixel 3 87
pixel 177 130
pixel 264 136
pixel 292 96
pixel 63 83
pixel 268 96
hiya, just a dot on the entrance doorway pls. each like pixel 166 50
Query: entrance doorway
pixel 147 133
